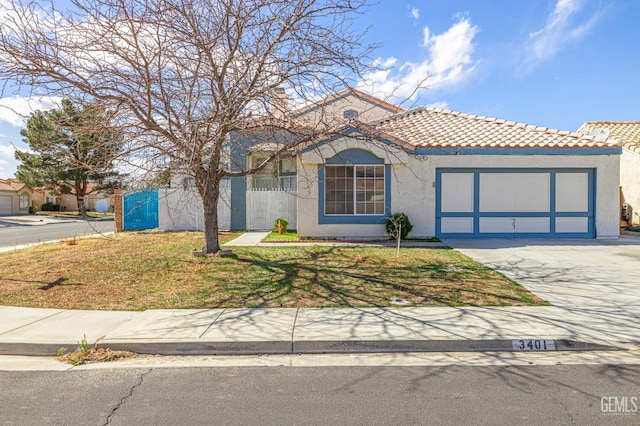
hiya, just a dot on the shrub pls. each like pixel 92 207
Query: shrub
pixel 50 207
pixel 281 226
pixel 398 220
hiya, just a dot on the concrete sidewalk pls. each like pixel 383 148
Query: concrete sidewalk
pixel 29 331
pixel 33 220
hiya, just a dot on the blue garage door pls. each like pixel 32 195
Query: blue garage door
pixel 515 203
pixel 140 210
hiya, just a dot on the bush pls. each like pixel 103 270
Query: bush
pixel 281 226
pixel 50 207
pixel 396 220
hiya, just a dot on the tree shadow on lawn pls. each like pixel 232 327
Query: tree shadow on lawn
pixel 312 280
pixel 45 285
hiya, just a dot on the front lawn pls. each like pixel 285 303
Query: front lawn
pixel 153 270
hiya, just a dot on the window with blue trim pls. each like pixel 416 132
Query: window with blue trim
pixel 354 189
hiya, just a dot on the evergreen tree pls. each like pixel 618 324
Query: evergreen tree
pixel 69 148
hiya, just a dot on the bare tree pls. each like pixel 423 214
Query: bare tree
pixel 184 74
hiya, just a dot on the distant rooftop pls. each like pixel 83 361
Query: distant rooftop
pixel 628 132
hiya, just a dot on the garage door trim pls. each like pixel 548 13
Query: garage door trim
pixel 552 215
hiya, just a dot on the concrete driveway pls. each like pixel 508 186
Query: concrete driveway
pixel 567 273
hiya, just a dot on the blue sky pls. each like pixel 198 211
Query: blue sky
pixel 551 63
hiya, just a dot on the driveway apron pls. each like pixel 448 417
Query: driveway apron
pixel 567 273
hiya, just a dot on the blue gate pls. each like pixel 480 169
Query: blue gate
pixel 140 210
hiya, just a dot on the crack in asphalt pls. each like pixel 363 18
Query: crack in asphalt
pixel 131 391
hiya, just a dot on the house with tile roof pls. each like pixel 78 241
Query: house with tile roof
pixel 628 133
pixel 455 175
pixel 459 176
pixel 15 197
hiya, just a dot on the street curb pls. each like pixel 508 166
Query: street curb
pixel 9 249
pixel 309 347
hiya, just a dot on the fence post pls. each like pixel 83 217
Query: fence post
pixel 118 213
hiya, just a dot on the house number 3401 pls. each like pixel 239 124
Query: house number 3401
pixel 533 345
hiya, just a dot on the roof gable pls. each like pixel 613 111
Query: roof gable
pixel 346 94
pixel 12 185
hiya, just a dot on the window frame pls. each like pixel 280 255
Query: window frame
pixel 353 157
pixel 24 206
pixel 355 190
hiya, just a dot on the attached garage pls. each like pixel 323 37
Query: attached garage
pixel 515 203
pixel 5 205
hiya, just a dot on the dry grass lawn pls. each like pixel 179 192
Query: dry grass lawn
pixel 137 271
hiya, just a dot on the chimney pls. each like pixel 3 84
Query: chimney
pixel 279 103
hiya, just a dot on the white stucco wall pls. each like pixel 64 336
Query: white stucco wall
pixel 413 188
pixel 332 113
pixel 630 182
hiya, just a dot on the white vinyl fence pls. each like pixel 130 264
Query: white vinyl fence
pixel 181 209
pixel 265 206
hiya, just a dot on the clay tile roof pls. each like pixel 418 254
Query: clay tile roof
pixel 628 132
pixel 11 185
pixel 433 128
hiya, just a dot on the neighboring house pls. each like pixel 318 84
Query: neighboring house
pixel 459 176
pixel 628 132
pixel 15 197
pixel 42 196
pixel 94 201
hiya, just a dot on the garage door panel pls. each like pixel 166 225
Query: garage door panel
pixel 510 225
pixel 572 192
pixel 456 225
pixel 572 224
pixel 514 192
pixel 457 192
pixel 5 205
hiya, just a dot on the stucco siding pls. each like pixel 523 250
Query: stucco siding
pixel 413 189
pixel 630 182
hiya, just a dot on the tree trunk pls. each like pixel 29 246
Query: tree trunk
pixel 82 210
pixel 210 202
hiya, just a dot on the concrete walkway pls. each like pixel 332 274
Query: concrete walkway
pixel 254 238
pixel 28 331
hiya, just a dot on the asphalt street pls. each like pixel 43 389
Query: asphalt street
pixel 445 395
pixel 26 234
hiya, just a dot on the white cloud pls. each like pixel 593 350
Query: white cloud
pixel 560 30
pixel 414 12
pixel 448 63
pixel 7 161
pixel 15 110
pixel 4 170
